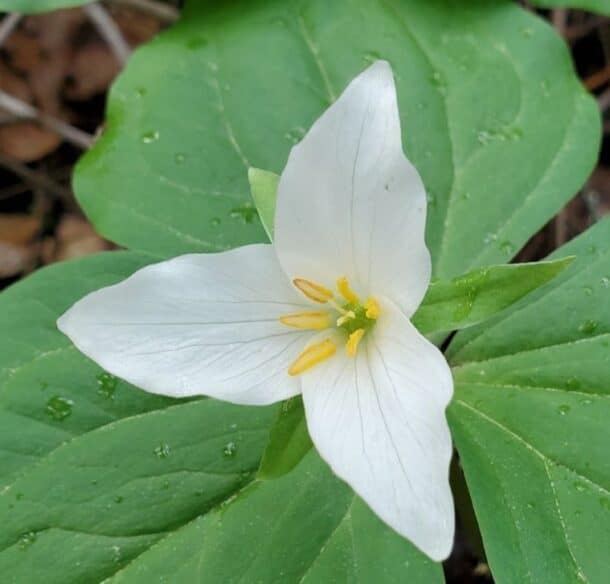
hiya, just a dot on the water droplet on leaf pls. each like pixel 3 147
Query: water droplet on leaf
pixel 150 136
pixel 162 451
pixel 371 57
pixel 106 384
pixel 27 539
pixel 247 213
pixel 180 158
pixel 230 449
pixel 588 327
pixel 58 408
pixel 563 409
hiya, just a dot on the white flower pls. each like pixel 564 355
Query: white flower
pixel 262 323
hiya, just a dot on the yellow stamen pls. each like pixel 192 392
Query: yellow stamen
pixel 347 316
pixel 346 291
pixel 313 291
pixel 373 310
pixel 312 355
pixel 354 340
pixel 307 320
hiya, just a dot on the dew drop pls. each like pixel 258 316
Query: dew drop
pixel 118 499
pixel 116 553
pixel 605 282
pixel 162 451
pixel 573 383
pixel 579 487
pixel 587 290
pixel 295 135
pixel 246 213
pixel 507 247
pixel 230 449
pixel 215 221
pixel 527 32
pixel 588 327
pixel 58 408
pixel 141 92
pixel 489 237
pixel 106 384
pixel 27 539
pixel 371 57
pixel 150 136
pixel 180 158
pixel 563 409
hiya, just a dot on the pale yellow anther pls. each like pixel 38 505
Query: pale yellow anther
pixel 307 320
pixel 373 310
pixel 312 355
pixel 345 291
pixel 353 341
pixel 313 291
pixel 349 315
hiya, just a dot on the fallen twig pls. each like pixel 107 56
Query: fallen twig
pixel 109 31
pixel 22 109
pixel 34 178
pixel 8 25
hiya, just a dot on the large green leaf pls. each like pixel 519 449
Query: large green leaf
pixel 530 420
pixel 493 117
pixel 305 527
pixel 34 6
pixel 93 471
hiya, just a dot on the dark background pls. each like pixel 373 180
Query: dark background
pixel 62 64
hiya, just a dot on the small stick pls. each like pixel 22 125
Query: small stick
pixel 22 109
pixel 109 30
pixel 604 100
pixel 8 25
pixel 559 18
pixel 34 178
pixel 163 12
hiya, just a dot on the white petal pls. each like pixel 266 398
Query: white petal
pixel 378 419
pixel 197 324
pixel 350 203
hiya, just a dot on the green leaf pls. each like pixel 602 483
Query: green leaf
pixel 480 294
pixel 35 6
pixel 235 84
pixel 305 527
pixel 92 470
pixel 289 441
pixel 601 6
pixel 263 186
pixel 530 420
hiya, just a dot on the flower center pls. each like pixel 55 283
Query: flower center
pixel 346 315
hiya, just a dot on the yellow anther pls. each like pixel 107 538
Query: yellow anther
pixel 346 291
pixel 313 291
pixel 373 310
pixel 313 355
pixel 349 315
pixel 307 320
pixel 353 341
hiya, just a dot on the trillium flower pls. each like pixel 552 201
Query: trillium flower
pixel 323 312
